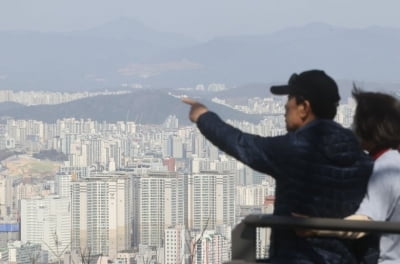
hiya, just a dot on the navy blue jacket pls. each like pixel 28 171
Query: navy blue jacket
pixel 320 171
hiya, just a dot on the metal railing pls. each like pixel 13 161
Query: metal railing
pixel 244 234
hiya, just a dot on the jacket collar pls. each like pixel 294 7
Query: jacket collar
pixel 376 154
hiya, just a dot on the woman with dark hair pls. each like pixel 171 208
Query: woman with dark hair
pixel 377 124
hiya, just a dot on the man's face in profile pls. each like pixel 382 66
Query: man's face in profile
pixel 293 114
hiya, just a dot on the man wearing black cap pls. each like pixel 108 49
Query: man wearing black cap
pixel 319 167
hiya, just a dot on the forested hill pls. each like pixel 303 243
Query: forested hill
pixel 145 106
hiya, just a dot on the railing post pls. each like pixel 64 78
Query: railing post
pixel 244 242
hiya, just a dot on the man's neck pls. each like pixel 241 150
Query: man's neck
pixel 309 118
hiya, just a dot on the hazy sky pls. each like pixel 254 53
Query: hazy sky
pixel 202 19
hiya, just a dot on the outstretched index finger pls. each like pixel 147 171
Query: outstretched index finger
pixel 189 101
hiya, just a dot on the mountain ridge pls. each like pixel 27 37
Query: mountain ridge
pixel 145 107
pixel 125 51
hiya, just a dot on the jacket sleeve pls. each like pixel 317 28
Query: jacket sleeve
pixel 257 152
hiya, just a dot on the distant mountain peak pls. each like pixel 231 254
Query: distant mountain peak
pixel 319 26
pixel 122 27
pixel 130 28
pixel 124 50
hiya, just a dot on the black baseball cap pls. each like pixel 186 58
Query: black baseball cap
pixel 313 85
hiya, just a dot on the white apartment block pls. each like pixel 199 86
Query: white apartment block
pixel 173 147
pixel 210 247
pixel 176 245
pixel 160 205
pixel 211 197
pixel 345 113
pixel 63 184
pixel 101 214
pixel 46 221
pixel 206 164
pixel 254 195
pixel 6 196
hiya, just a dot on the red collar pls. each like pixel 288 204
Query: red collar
pixel 376 154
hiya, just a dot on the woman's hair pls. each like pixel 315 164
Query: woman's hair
pixel 377 119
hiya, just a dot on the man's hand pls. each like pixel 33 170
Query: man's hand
pixel 331 233
pixel 304 232
pixel 196 109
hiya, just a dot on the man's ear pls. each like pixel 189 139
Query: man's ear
pixel 305 110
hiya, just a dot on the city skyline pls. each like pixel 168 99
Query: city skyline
pixel 98 158
pixel 160 192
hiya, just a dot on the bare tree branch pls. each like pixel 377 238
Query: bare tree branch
pixel 194 245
